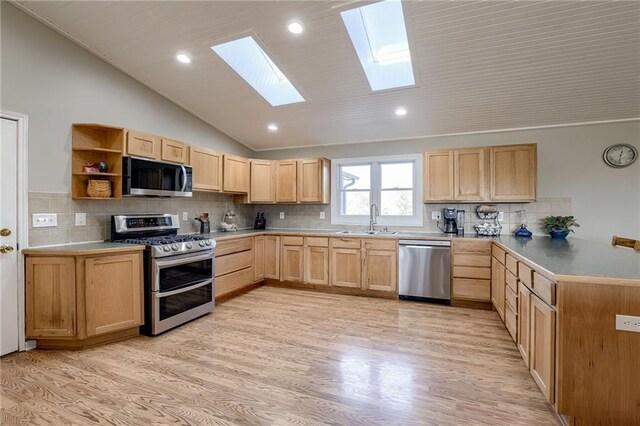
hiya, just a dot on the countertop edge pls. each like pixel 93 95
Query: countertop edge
pixel 62 251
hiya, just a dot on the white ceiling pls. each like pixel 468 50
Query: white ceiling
pixel 482 65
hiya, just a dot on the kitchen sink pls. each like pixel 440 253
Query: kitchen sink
pixel 367 232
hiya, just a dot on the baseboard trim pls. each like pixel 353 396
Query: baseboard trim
pixel 331 289
pixel 473 304
pixel 237 292
pixel 89 342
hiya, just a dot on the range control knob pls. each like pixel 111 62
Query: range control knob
pixel 166 248
pixel 189 245
pixel 201 243
pixel 208 242
pixel 174 247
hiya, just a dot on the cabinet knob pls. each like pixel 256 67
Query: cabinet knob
pixel 4 232
pixel 6 248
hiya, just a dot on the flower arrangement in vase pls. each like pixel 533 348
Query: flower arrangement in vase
pixel 559 226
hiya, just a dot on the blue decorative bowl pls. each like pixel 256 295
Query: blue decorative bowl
pixel 523 232
pixel 559 234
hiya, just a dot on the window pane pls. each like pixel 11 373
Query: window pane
pixel 355 203
pixel 355 177
pixel 396 203
pixel 398 175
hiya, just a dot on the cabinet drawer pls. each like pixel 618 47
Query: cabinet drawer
pixel 233 262
pixel 317 242
pixel 472 247
pixel 512 281
pixel 512 298
pixel 292 241
pixel 380 244
pixel 525 274
pixel 511 322
pixel 233 246
pixel 469 289
pixel 345 242
pixel 472 272
pixel 498 253
pixel 479 260
pixel 512 264
pixel 233 281
pixel 544 288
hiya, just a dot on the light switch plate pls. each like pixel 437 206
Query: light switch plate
pixel 321 215
pixel 45 220
pixel 81 219
pixel 281 215
pixel 435 215
pixel 628 323
pixel 185 216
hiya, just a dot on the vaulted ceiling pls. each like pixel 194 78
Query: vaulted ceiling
pixel 482 65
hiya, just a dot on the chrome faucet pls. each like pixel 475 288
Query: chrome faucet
pixel 373 213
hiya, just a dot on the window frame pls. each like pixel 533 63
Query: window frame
pixel 417 219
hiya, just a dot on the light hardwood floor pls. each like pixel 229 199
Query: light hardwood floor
pixel 279 356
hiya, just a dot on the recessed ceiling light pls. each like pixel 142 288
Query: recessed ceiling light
pixel 183 58
pixel 401 111
pixel 295 27
pixel 273 127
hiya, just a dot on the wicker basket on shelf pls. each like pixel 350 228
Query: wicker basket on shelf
pixel 97 188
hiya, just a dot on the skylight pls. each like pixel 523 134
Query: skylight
pixel 379 36
pixel 252 63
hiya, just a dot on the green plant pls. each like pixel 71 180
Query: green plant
pixel 558 223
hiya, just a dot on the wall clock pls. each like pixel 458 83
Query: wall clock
pixel 620 155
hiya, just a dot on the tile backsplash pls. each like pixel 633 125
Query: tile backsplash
pixel 308 216
pixel 297 216
pixel 99 213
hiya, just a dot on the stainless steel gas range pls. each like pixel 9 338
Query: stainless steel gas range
pixel 178 269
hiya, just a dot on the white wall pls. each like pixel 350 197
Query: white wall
pixel 606 201
pixel 57 83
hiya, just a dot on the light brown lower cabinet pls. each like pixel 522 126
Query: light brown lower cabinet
pixel 71 300
pixel 316 265
pixel 524 322
pixel 346 267
pixel 272 257
pixel 258 258
pixel 543 338
pixel 497 286
pixel 292 263
pixel 380 270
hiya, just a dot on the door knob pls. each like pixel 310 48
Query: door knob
pixel 6 248
pixel 4 232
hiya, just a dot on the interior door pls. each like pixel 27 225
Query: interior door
pixel 8 237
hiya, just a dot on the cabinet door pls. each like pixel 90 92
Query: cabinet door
pixel 469 176
pixel 51 297
pixel 272 257
pixel 524 322
pixel 174 151
pixel 207 169
pixel 380 270
pixel 513 173
pixel 235 174
pixel 292 263
pixel 346 267
pixel 286 181
pixel 316 265
pixel 438 175
pixel 113 293
pixel 497 286
pixel 263 174
pixel 258 258
pixel 311 179
pixel 543 337
pixel 143 145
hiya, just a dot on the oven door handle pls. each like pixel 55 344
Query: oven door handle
pixel 184 178
pixel 160 295
pixel 161 263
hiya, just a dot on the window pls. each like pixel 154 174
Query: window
pixel 394 184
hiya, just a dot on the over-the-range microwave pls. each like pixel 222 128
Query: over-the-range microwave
pixel 143 177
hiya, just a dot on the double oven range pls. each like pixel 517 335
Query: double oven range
pixel 178 269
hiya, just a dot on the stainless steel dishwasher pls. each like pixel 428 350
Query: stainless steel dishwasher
pixel 425 270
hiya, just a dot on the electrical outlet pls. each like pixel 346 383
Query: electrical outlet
pixel 44 220
pixel 81 219
pixel 435 215
pixel 500 215
pixel 321 215
pixel 628 323
pixel 185 216
pixel 281 215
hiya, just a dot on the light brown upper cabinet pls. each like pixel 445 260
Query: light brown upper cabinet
pixel 235 174
pixel 469 174
pixel 513 172
pixel 286 181
pixel 143 145
pixel 207 169
pixel 438 175
pixel 174 151
pixel 263 185
pixel 313 180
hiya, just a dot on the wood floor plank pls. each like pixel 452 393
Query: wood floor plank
pixel 278 356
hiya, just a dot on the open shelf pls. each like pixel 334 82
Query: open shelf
pixel 97 174
pixel 105 150
pixel 94 198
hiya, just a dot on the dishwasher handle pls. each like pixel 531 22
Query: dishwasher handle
pixel 425 243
